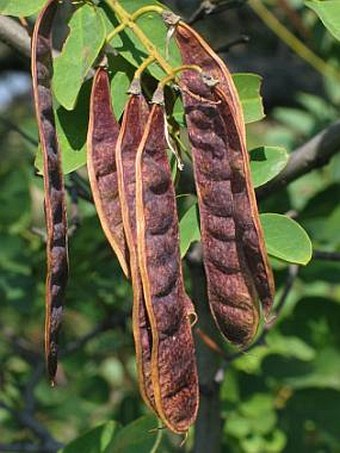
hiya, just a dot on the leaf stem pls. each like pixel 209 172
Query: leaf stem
pixel 127 19
pixel 116 31
pixel 145 10
pixel 143 66
pixel 175 71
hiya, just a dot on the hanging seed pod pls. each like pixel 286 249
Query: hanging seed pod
pixel 231 289
pixel 223 165
pixel 195 50
pixel 101 164
pixel 133 125
pixel 173 366
pixel 55 204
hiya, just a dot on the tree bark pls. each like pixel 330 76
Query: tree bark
pixel 208 427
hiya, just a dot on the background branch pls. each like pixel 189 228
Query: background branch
pixel 314 154
pixel 326 256
pixel 15 35
pixel 209 7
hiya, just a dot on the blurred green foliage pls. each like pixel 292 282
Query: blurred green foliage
pixel 282 396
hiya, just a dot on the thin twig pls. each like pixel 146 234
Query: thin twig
pixel 210 7
pixel 21 448
pixel 294 19
pixel 81 186
pixel 26 420
pixel 326 256
pixel 21 132
pixel 314 154
pixel 297 46
pixel 242 39
pixel 117 320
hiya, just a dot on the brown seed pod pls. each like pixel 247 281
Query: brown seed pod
pixel 195 50
pixel 101 164
pixel 173 366
pixel 231 290
pixel 55 204
pixel 133 125
pixel 226 197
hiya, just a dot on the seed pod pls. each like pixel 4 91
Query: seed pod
pixel 55 204
pixel 173 367
pixel 101 164
pixel 195 50
pixel 231 289
pixel 133 125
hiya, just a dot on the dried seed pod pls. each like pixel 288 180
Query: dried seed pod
pixel 101 164
pixel 225 192
pixel 133 125
pixel 195 50
pixel 173 366
pixel 231 289
pixel 55 204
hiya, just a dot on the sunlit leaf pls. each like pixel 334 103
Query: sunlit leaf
pixel 20 8
pixel 95 441
pixel 139 436
pixel 329 13
pixel 248 87
pixel 82 46
pixel 189 229
pixel 267 162
pixel 286 239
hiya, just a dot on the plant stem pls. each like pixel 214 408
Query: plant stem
pixel 145 10
pixel 208 427
pixel 291 40
pixel 127 19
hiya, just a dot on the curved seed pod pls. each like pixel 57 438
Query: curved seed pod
pixel 101 164
pixel 231 290
pixel 195 50
pixel 133 125
pixel 173 366
pixel 55 205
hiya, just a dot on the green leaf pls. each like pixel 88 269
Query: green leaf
pixel 189 229
pixel 267 162
pixel 121 74
pixel 15 199
pixel 20 8
pixel 248 87
pixel 329 13
pixel 140 436
pixel 95 441
pixel 72 130
pixel 82 46
pixel 286 239
pixel 178 112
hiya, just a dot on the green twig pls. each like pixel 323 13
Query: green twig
pixel 292 41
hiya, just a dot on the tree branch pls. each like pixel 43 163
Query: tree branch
pixel 208 427
pixel 21 448
pixel 209 7
pixel 26 420
pixel 15 35
pixel 326 256
pixel 314 154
